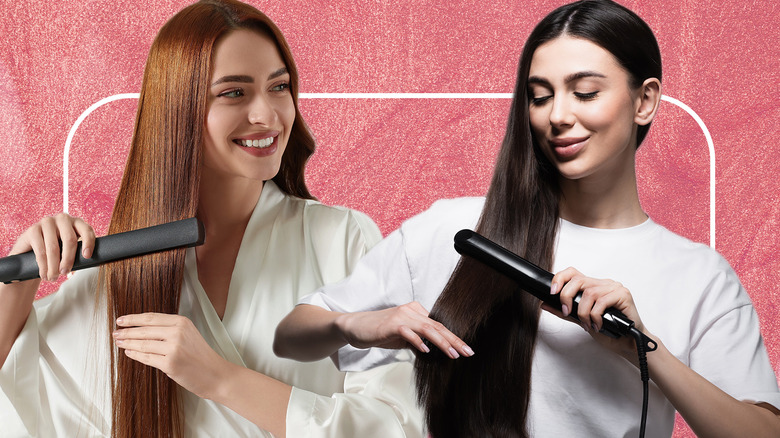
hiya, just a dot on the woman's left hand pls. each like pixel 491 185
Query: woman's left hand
pixel 172 344
pixel 597 296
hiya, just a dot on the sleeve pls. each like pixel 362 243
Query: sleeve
pixel 728 350
pixel 19 404
pixel 379 402
pixel 47 387
pixel 380 280
pixel 379 393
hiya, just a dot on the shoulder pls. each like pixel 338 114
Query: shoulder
pixel 446 215
pixel 693 254
pixel 699 267
pixel 430 234
pixel 324 229
pixel 330 219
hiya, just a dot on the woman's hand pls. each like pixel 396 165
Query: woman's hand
pixel 397 327
pixel 16 300
pixel 597 296
pixel 44 239
pixel 173 345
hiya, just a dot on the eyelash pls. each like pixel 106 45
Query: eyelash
pixel 228 93
pixel 586 96
pixel 580 96
pixel 539 100
pixel 284 87
pixel 235 93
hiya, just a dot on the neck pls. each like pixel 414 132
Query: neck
pixel 226 203
pixel 225 206
pixel 608 200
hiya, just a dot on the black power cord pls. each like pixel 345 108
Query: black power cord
pixel 643 345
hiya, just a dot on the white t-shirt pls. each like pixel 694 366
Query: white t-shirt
pixel 686 294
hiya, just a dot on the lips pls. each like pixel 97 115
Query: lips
pixel 568 147
pixel 263 143
pixel 259 144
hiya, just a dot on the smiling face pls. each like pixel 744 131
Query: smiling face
pixel 250 108
pixel 582 108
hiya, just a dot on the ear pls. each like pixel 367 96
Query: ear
pixel 647 101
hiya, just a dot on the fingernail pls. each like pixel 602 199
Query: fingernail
pixel 120 320
pixel 595 328
pixel 554 289
pixel 86 253
pixel 63 271
pixel 119 342
pixel 424 348
pixel 453 354
pixel 468 350
pixel 565 309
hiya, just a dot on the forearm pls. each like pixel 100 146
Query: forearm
pixel 708 410
pixel 308 333
pixel 256 397
pixel 15 304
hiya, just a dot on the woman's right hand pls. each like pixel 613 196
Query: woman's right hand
pixel 397 327
pixel 44 238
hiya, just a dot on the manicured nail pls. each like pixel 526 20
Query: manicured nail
pixel 453 354
pixel 119 321
pixel 468 350
pixel 120 342
pixel 554 289
pixel 424 348
pixel 565 309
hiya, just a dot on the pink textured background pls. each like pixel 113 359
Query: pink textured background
pixel 391 158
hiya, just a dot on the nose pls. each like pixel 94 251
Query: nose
pixel 261 111
pixel 560 113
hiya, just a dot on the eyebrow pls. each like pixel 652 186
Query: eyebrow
pixel 570 78
pixel 248 79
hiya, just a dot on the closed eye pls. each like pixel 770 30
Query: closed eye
pixel 586 96
pixel 539 100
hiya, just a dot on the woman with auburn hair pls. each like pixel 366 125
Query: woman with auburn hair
pixel 179 343
pixel 564 193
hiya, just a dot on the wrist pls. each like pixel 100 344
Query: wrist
pixel 339 327
pixel 226 378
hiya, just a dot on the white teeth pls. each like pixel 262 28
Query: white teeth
pixel 264 143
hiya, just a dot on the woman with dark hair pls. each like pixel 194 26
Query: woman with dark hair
pixel 178 343
pixel 564 193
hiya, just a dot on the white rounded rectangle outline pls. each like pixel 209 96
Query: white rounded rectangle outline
pixel 686 108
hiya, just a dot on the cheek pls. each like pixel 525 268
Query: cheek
pixel 286 113
pixel 539 120
pixel 609 113
pixel 219 123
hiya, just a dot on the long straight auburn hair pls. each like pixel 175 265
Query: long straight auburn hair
pixel 161 184
pixel 487 395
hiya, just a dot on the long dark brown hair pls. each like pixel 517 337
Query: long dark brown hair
pixel 487 395
pixel 161 184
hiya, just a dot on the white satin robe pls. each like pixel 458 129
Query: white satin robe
pixel 54 382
